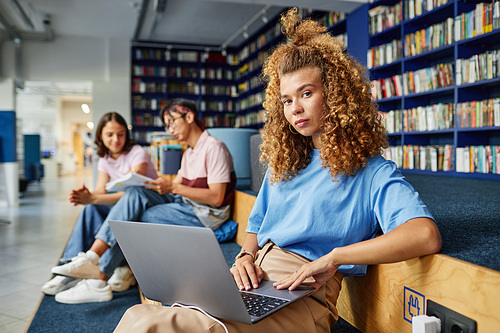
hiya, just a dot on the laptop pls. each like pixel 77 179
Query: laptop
pixel 180 264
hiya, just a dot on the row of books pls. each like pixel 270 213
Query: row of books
pixel 142 87
pixel 384 54
pixel 219 106
pixel 226 120
pixel 159 71
pixel 249 119
pixel 430 38
pixel 479 67
pixel 182 56
pixel 434 158
pixel 429 118
pixel 248 85
pixel 252 100
pixel 387 87
pixel 185 72
pixel 252 65
pixel 148 119
pixel 480 159
pixel 141 103
pixel 414 8
pixel 422 80
pixel 149 54
pixel 384 17
pixel 483 19
pixel 479 113
pixel 332 18
pixel 342 38
pixel 203 89
pixel 392 120
pixel 429 78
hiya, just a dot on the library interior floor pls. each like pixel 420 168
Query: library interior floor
pixel 32 237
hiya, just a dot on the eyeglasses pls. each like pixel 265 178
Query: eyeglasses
pixel 171 122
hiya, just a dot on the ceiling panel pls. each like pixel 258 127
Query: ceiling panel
pixel 183 21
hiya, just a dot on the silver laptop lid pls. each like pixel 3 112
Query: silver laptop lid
pixel 181 264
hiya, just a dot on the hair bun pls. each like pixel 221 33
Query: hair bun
pixel 297 31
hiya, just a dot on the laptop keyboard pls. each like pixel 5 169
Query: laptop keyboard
pixel 259 305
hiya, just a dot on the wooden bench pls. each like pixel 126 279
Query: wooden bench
pixel 380 300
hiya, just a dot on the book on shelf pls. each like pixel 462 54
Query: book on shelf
pixel 478 159
pixel 433 158
pixel 130 179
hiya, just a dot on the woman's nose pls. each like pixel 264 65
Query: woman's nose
pixel 297 108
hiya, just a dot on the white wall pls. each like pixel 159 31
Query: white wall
pixel 104 62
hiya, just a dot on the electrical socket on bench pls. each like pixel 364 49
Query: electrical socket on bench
pixel 451 321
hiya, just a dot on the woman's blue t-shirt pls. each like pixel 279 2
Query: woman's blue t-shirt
pixel 312 214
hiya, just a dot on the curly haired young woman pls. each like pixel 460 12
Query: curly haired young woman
pixel 327 192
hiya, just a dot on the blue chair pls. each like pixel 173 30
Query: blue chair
pixel 237 141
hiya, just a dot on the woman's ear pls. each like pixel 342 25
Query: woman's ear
pixel 189 117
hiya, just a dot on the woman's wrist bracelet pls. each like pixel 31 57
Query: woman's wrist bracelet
pixel 244 253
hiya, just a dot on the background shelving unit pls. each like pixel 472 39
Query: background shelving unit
pixel 434 36
pixel 411 49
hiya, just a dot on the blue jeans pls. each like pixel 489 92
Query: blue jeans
pixel 140 204
pixel 89 221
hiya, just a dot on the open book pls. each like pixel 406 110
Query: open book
pixel 130 179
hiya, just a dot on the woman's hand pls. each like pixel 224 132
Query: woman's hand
pixel 81 196
pixel 161 185
pixel 321 270
pixel 243 269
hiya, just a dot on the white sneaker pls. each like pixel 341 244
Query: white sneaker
pixel 80 267
pixel 58 283
pixel 121 279
pixel 85 292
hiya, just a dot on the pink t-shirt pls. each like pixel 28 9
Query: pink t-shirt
pixel 209 163
pixel 125 162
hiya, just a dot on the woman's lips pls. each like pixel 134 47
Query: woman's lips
pixel 301 122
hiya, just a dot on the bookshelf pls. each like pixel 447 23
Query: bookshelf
pixel 160 72
pixel 434 67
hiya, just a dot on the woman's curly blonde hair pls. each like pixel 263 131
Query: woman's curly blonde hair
pixel 351 130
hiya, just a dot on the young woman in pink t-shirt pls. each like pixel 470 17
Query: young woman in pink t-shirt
pixel 118 155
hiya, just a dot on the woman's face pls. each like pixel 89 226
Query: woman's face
pixel 113 137
pixel 302 98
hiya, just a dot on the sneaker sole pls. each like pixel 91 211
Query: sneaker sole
pixel 57 270
pixel 90 300
pixel 54 291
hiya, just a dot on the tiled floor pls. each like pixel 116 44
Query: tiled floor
pixel 31 243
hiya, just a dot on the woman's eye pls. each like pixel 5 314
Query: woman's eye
pixel 286 101
pixel 306 94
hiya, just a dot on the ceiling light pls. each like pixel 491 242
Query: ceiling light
pixel 245 33
pixel 90 125
pixel 85 108
pixel 264 19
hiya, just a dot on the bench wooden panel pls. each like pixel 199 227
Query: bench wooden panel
pixel 243 203
pixel 375 302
